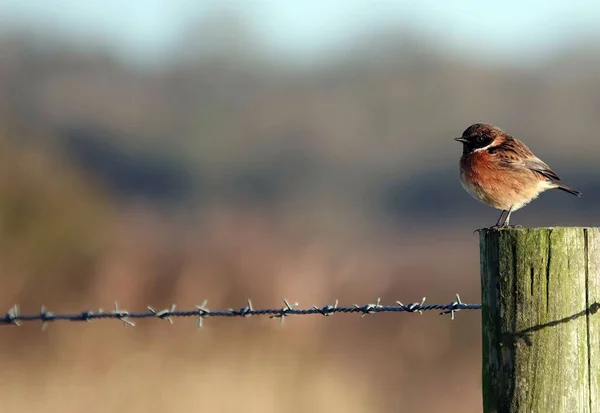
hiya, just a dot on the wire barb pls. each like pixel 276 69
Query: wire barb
pixel 12 316
pixel 413 307
pixel 454 307
pixel 244 311
pixel 200 312
pixel 327 310
pixel 284 311
pixel 369 308
pixel 122 315
pixel 163 314
pixel 45 316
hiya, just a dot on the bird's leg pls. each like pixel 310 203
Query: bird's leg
pixel 500 219
pixel 507 220
pixel 493 227
pixel 503 222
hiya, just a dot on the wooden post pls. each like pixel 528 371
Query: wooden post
pixel 540 290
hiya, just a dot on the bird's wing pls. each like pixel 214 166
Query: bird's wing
pixel 515 153
pixel 540 167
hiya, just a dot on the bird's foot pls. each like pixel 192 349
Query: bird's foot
pixel 492 228
pixel 497 228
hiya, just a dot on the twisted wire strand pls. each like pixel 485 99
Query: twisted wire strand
pixel 201 312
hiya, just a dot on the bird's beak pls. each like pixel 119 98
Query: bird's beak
pixel 461 139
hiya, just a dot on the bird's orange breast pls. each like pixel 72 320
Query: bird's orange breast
pixel 481 168
pixel 499 185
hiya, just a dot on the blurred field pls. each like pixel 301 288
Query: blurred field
pixel 340 363
pixel 228 175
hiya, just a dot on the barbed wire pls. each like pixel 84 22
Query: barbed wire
pixel 200 312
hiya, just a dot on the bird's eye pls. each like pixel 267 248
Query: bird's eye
pixel 480 139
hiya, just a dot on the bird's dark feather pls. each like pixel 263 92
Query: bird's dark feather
pixel 515 153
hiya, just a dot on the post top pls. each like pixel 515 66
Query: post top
pixel 536 229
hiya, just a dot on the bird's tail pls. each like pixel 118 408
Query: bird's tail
pixel 568 189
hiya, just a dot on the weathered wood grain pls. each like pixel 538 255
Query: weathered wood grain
pixel 541 325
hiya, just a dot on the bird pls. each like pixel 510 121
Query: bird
pixel 501 171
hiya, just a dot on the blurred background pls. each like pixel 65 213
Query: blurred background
pixel 168 151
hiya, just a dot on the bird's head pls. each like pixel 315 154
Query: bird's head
pixel 479 137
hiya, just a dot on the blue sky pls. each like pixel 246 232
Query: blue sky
pixel 145 30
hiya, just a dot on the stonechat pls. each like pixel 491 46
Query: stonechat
pixel 501 171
